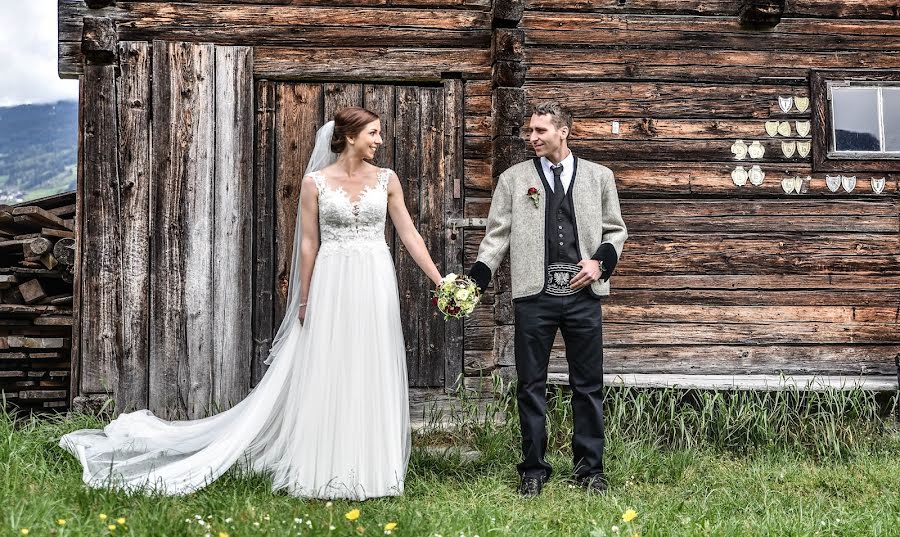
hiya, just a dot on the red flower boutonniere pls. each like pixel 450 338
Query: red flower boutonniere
pixel 534 195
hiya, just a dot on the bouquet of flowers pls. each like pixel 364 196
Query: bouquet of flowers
pixel 456 296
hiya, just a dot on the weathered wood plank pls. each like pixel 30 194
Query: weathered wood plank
pixel 666 100
pixel 863 9
pixel 233 203
pixel 298 113
pixel 454 132
pixel 380 98
pixel 101 309
pixel 408 168
pixel 842 216
pixel 338 96
pixel 693 32
pixel 694 65
pixel 264 228
pixel 75 356
pixel 134 105
pixel 432 226
pixel 297 25
pixel 387 64
pixel 181 270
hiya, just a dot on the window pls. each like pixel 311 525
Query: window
pixel 856 121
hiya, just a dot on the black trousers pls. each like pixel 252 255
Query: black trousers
pixel 579 319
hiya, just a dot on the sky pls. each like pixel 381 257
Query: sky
pixel 28 54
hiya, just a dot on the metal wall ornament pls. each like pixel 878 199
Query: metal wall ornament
pixel 803 148
pixel 784 129
pixel 788 148
pixel 739 176
pixel 878 184
pixel 785 103
pixel 772 128
pixel 756 150
pixel 848 182
pixel 798 183
pixel 833 182
pixel 757 176
pixel 803 128
pixel 739 149
pixel 802 103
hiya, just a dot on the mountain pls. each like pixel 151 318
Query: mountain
pixel 38 150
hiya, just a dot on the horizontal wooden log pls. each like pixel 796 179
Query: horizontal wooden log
pixel 23 342
pixel 776 253
pixel 580 30
pixel 370 64
pixel 98 40
pixel 508 45
pixel 245 24
pixel 508 74
pixel 841 9
pixel 39 217
pixel 666 100
pixel 600 128
pixel 748 67
pixel 723 296
pixel 682 150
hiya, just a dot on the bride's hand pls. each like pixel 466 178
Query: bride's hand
pixel 301 314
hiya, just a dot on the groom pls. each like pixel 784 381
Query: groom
pixel 559 218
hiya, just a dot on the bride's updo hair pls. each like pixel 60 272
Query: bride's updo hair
pixel 349 122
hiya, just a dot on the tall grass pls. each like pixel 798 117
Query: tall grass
pixel 825 424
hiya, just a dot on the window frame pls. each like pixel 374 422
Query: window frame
pixel 824 157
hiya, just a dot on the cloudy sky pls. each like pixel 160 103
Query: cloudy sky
pixel 28 54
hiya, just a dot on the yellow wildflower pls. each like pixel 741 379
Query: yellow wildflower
pixel 223 534
pixel 360 530
pixel 61 522
pixel 636 534
pixel 111 527
pixel 629 515
pixel 352 515
pixel 24 531
pixel 389 526
pixel 120 521
pixel 102 516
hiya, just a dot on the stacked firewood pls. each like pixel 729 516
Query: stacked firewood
pixel 37 263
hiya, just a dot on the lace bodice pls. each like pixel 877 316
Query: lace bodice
pixel 345 222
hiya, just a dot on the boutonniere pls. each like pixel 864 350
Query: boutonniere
pixel 534 195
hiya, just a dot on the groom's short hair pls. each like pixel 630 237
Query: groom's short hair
pixel 559 115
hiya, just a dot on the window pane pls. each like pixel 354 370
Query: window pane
pixel 855 114
pixel 891 100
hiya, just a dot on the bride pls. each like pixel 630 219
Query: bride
pixel 330 418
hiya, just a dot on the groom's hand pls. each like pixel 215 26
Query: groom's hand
pixel 590 272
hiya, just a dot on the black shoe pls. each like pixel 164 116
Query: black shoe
pixel 530 487
pixel 592 483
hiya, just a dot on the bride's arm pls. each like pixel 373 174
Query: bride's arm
pixel 309 240
pixel 408 232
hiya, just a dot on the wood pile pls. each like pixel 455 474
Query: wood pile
pixel 37 263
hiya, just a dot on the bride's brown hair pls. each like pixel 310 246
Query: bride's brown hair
pixel 349 122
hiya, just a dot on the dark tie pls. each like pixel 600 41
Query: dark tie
pixel 559 192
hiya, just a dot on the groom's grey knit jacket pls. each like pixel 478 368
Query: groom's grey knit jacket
pixel 516 225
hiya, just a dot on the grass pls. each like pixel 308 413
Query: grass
pixel 688 463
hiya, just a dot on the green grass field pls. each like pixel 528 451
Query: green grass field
pixel 685 463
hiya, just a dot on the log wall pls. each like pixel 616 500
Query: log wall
pixel 715 279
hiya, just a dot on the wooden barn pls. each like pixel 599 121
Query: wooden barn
pixel 755 145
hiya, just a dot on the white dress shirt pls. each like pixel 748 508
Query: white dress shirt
pixel 568 164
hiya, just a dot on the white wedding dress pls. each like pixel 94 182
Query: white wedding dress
pixel 330 418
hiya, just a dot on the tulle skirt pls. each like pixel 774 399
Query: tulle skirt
pixel 329 419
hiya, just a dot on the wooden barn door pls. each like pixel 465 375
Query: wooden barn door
pixel 422 131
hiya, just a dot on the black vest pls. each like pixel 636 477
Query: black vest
pixel 561 233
